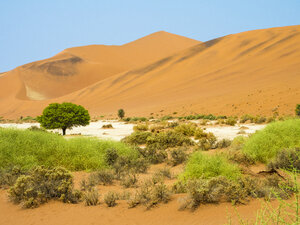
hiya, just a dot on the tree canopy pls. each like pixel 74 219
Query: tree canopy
pixel 121 113
pixel 64 116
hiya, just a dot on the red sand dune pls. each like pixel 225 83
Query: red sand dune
pixel 254 72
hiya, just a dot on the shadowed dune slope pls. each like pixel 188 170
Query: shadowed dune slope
pixel 255 72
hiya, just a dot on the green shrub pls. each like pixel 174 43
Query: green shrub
pixel 186 129
pixel 178 156
pixel 26 149
pixel 42 184
pixel 140 127
pixel 137 138
pixel 91 197
pixel 204 166
pixel 111 198
pixel 264 144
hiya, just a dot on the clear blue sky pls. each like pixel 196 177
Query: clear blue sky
pixel 36 29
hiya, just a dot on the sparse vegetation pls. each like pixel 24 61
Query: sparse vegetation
pixel 42 184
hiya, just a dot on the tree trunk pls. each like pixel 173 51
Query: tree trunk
pixel 64 131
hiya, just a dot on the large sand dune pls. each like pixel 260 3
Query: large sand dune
pixel 254 72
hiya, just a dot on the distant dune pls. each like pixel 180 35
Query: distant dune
pixel 254 72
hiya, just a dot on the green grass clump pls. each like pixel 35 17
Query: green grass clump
pixel 204 166
pixel 265 144
pixel 27 149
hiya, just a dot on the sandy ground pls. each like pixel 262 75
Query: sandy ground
pixel 166 214
pixel 59 213
pixel 121 129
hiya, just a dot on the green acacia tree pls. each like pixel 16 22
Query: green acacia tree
pixel 298 110
pixel 121 113
pixel 64 116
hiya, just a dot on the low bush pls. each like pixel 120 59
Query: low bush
pixel 42 184
pixel 36 128
pixel 166 118
pixel 265 144
pixel 246 118
pixel 150 194
pixel 288 159
pixel 168 139
pixel 177 156
pixel 129 180
pixel 137 138
pixel 141 127
pixel 125 164
pixel 111 155
pixel 164 173
pixel 238 143
pixel 9 176
pixel 204 166
pixel 154 155
pixel 231 121
pixel 104 177
pixel 206 140
pixel 224 143
pixel 111 198
pixel 173 124
pixel 107 126
pixel 91 197
pixel 186 129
